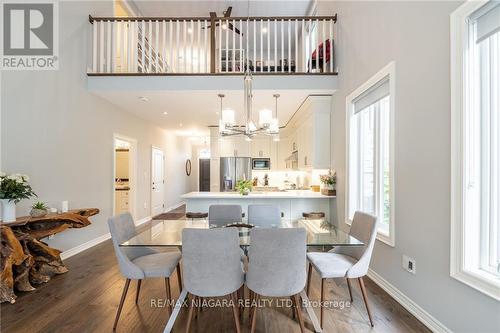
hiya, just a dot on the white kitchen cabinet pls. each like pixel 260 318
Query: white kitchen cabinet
pixel 121 201
pixel 261 147
pixel 234 146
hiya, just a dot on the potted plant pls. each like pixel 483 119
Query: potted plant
pixel 244 186
pixel 39 209
pixel 13 188
pixel 329 181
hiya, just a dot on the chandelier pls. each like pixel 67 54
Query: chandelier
pixel 268 120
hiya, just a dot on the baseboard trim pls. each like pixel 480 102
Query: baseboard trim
pixel 93 242
pixel 143 220
pixel 427 319
pixel 87 245
pixel 177 205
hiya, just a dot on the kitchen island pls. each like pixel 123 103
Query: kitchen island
pixel 292 203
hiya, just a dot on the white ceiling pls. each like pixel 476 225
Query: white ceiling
pixel 190 112
pixel 203 8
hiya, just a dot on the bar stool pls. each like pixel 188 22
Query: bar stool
pixel 196 216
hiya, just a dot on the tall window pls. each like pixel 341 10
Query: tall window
pixel 370 126
pixel 476 148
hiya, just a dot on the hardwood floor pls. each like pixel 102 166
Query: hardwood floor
pixel 86 299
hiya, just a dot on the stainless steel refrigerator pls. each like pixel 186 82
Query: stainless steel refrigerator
pixel 233 169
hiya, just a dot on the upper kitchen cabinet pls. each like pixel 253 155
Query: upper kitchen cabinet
pixel 234 146
pixel 309 133
pixel 261 147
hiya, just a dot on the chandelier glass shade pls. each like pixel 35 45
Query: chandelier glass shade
pixel 268 121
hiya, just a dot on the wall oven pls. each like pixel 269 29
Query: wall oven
pixel 261 163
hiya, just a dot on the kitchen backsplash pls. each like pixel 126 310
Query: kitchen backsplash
pixel 302 179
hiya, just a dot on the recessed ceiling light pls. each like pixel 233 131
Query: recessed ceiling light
pixel 143 98
pixel 165 113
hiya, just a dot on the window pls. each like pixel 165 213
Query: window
pixel 370 183
pixel 475 211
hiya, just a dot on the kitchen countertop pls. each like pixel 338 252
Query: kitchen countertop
pixel 300 194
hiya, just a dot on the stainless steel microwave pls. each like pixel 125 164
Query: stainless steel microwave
pixel 261 163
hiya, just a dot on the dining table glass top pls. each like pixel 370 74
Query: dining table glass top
pixel 168 233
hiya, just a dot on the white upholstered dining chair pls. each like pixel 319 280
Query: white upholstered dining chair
pixel 264 215
pixel 140 263
pixel 350 262
pixel 221 215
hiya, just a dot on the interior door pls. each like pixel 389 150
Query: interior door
pixel 204 175
pixel 157 182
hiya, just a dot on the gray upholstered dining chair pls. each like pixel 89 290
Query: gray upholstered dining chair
pixel 277 266
pixel 221 215
pixel 347 262
pixel 264 215
pixel 212 266
pixel 140 263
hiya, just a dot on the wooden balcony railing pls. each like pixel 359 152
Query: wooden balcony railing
pixel 200 45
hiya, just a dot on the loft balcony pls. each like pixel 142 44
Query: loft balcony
pixel 206 46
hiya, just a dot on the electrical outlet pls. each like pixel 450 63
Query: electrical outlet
pixel 409 264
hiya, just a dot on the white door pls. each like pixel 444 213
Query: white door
pixel 157 182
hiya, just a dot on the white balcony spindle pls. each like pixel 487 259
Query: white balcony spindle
pixel 268 46
pixel 330 23
pixel 109 56
pixel 275 45
pixel 164 44
pixel 150 46
pixel 261 47
pixel 156 47
pixel 171 45
pixel 282 46
pixel 143 46
pixel 289 23
pixel 304 46
pixel 119 46
pixel 135 45
pixel 323 40
pixel 233 46
pixel 227 44
pixel 240 51
pixel 220 46
pixel 130 50
pixel 255 45
pixel 247 34
pixel 101 46
pixel 198 46
pixel 311 45
pixel 296 33
pixel 94 47
pixel 125 46
pixel 207 53
pixel 184 43
pixel 191 48
pixel 317 44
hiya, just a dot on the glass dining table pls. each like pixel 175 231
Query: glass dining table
pixel 168 233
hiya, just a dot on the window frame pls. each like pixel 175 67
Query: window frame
pixel 389 71
pixel 459 37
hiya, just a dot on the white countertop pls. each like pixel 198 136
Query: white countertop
pixel 300 194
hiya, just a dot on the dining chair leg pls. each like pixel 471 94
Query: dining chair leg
pixel 236 311
pixel 241 297
pixel 365 298
pixel 179 277
pixel 138 291
pixel 299 313
pixel 190 313
pixel 294 307
pixel 122 300
pixel 322 308
pixel 309 273
pixel 254 314
pixel 169 295
pixel 251 296
pixel 349 287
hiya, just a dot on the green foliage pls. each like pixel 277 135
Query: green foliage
pixel 243 186
pixel 40 205
pixel 15 187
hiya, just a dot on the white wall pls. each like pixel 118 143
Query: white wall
pixel 416 36
pixel 62 136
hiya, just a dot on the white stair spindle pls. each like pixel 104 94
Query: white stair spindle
pixel 261 47
pixel 317 44
pixel 282 46
pixel 109 28
pixel 323 40
pixel 135 46
pixel 227 45
pixel 94 47
pixel 130 46
pixel 311 45
pixel 150 46
pixel 164 43
pixel 220 46
pixel 304 46
pixel 119 48
pixel 289 23
pixel 101 47
pixel 296 33
pixel 331 44
pixel 255 45
pixel 184 49
pixel 240 51
pixel 207 53
pixel 275 45
pixel 268 46
pixel 191 48
pixel 198 46
pixel 156 46
pixel 143 46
